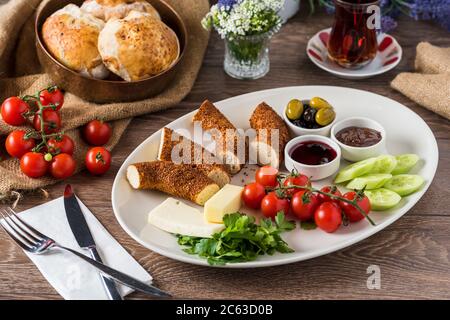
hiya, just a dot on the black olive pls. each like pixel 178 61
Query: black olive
pixel 299 123
pixel 309 116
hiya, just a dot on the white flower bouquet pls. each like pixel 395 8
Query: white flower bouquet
pixel 234 18
pixel 246 26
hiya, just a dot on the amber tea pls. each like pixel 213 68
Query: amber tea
pixel 353 38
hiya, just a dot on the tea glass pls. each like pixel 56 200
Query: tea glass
pixel 353 39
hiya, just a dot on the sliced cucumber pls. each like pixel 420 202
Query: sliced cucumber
pixel 370 181
pixel 405 162
pixel 355 170
pixel 384 164
pixel 404 184
pixel 382 199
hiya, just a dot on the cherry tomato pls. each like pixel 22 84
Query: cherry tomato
pixel 271 204
pixel 98 160
pixel 328 217
pixel 12 111
pixel 63 166
pixel 54 97
pixel 350 210
pixel 52 121
pixel 33 164
pixel 329 189
pixel 304 210
pixel 97 133
pixel 16 144
pixel 267 176
pixel 253 195
pixel 295 180
pixel 62 145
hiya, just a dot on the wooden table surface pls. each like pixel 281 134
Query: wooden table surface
pixel 412 253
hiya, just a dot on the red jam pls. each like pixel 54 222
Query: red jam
pixel 313 153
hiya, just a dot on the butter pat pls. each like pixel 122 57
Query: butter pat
pixel 227 200
pixel 176 217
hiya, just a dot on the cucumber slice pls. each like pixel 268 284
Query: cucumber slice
pixel 405 162
pixel 371 181
pixel 355 170
pixel 404 184
pixel 384 164
pixel 382 199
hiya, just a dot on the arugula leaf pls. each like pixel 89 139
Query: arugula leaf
pixel 241 240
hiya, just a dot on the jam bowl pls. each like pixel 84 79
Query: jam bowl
pixel 299 130
pixel 365 138
pixel 315 156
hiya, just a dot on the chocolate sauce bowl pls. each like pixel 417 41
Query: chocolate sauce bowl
pixel 353 153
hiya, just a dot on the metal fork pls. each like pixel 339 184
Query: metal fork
pixel 31 240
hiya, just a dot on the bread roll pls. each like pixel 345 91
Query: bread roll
pixel 230 140
pixel 138 46
pixel 270 128
pixel 179 180
pixel 199 158
pixel 179 149
pixel 71 36
pixel 107 9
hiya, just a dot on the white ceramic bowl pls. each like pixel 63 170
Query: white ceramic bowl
pixel 299 131
pixel 316 172
pixel 359 153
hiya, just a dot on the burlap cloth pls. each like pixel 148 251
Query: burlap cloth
pixel 430 86
pixel 20 73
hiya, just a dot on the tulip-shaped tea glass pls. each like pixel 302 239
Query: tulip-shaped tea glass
pixel 353 39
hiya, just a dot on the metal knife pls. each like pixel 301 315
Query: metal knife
pixel 84 237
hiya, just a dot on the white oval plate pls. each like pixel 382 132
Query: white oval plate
pixel 388 57
pixel 406 133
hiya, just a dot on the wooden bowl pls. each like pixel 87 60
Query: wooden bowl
pixel 112 89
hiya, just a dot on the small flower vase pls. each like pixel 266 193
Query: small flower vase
pixel 247 57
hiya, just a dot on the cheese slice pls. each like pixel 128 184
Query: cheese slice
pixel 227 200
pixel 176 217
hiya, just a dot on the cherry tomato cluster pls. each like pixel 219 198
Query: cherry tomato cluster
pixel 293 194
pixel 44 148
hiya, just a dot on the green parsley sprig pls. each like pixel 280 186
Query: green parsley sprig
pixel 242 239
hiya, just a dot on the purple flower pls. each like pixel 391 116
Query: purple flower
pixel 385 3
pixel 226 3
pixel 388 24
pixel 438 10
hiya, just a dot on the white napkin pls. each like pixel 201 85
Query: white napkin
pixel 73 278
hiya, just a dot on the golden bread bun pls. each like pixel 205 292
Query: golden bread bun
pixel 107 9
pixel 138 46
pixel 71 36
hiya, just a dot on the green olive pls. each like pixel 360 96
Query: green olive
pixel 294 109
pixel 319 103
pixel 325 116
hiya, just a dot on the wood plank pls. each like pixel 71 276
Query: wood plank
pixel 413 253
